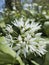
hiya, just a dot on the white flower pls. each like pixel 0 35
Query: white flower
pixel 44 12
pixel 35 4
pixel 13 12
pixel 14 7
pixel 9 28
pixel 38 35
pixel 28 40
pixel 19 38
pixel 10 40
pixel 19 23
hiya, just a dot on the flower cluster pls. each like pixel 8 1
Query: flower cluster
pixel 29 41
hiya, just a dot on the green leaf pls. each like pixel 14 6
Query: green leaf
pixel 7 55
pixel 35 63
pixel 46 28
pixel 20 60
pixel 2 24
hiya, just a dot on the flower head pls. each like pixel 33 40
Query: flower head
pixel 29 41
